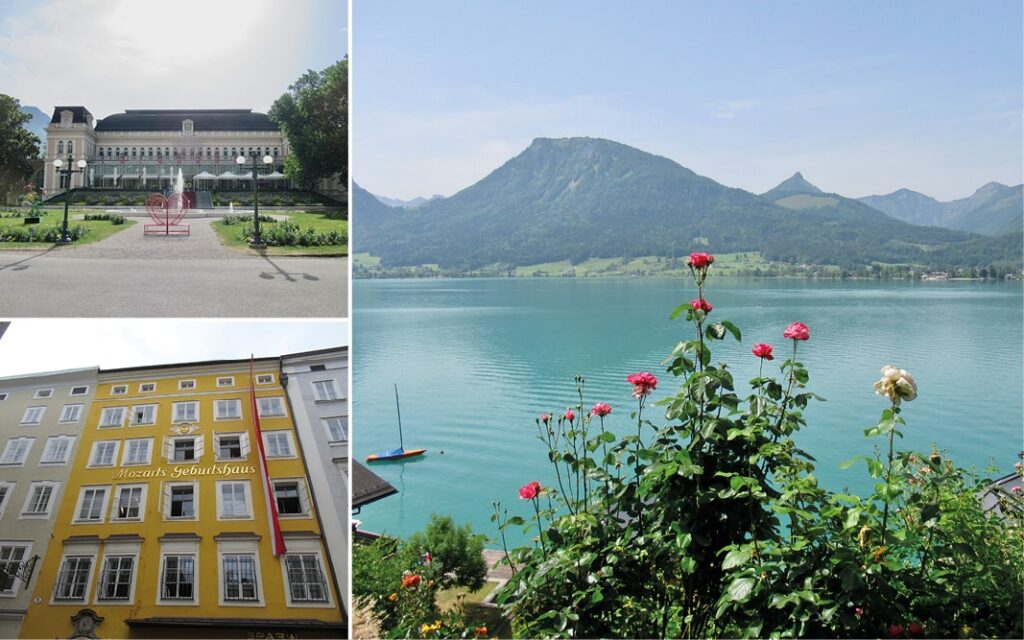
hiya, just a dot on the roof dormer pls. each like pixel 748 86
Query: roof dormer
pixel 66 118
pixel 187 126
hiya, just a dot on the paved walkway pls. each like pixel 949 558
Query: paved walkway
pixel 132 275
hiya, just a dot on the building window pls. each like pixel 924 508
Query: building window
pixel 185 385
pixel 277 444
pixel 225 382
pixel 33 415
pixel 70 413
pixel 16 451
pixel 6 488
pixel 116 579
pixel 129 503
pixel 180 501
pixel 271 407
pixel 305 579
pixel 232 446
pixel 325 390
pixel 90 504
pixel 43 393
pixel 119 390
pixel 143 415
pixel 265 378
pixel 60 146
pixel 184 449
pixel 79 391
pixel 112 417
pixel 186 411
pixel 178 579
pixel 104 453
pixel 147 387
pixel 57 450
pixel 73 578
pixel 40 499
pixel 11 556
pixel 290 497
pixel 233 500
pixel 136 451
pixel 3 396
pixel 227 409
pixel 239 571
pixel 336 428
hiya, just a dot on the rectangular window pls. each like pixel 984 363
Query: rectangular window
pixel 239 571
pixel 40 499
pixel 11 557
pixel 336 428
pixel 325 390
pixel 116 580
pixel 33 415
pixel 57 450
pixel 73 578
pixel 270 407
pixel 143 414
pixel 79 391
pixel 43 393
pixel 179 575
pixel 182 501
pixel 184 385
pixel 232 447
pixel 265 378
pixel 147 387
pixel 129 503
pixel 119 390
pixel 5 493
pixel 91 503
pixel 136 451
pixel 184 450
pixel 287 497
pixel 186 411
pixel 3 396
pixel 70 413
pixel 112 417
pixel 225 382
pixel 305 579
pixel 227 409
pixel 234 501
pixel 104 453
pixel 16 451
pixel 278 444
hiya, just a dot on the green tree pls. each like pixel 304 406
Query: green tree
pixel 18 146
pixel 458 551
pixel 313 115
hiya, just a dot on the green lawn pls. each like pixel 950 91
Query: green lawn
pixel 231 235
pixel 98 229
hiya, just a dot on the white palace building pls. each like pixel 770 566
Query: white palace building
pixel 145 148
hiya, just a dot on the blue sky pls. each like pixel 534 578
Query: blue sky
pixel 862 97
pixel 111 55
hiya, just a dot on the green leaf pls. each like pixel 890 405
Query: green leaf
pixel 740 588
pixel 596 596
pixel 736 557
pixel 731 328
pixel 715 331
pixel 678 311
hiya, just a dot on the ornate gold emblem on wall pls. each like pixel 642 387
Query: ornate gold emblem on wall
pixel 184 428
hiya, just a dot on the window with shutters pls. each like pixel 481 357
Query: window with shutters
pixel 144 414
pixel 178 578
pixel 33 415
pixel 130 503
pixel 70 413
pixel 40 500
pixel 11 557
pixel 336 428
pixel 227 409
pixel 57 450
pixel 180 501
pixel 233 500
pixel 137 451
pixel 305 578
pixel 278 444
pixel 73 579
pixel 112 417
pixel 325 390
pixel 271 407
pixel 232 446
pixel 16 451
pixel 184 448
pixel 104 453
pixel 291 497
pixel 91 503
pixel 186 411
pixel 116 578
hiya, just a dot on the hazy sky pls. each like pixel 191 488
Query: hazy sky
pixel 862 97
pixel 112 55
pixel 32 346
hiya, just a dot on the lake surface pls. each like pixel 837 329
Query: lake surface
pixel 476 360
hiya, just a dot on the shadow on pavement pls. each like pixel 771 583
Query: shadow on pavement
pixel 20 265
pixel 279 272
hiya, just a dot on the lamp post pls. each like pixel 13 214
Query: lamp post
pixel 65 235
pixel 257 239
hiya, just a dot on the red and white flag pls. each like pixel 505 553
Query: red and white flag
pixel 276 538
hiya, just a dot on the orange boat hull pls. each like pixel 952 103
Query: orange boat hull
pixel 406 454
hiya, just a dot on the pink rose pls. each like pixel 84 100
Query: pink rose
pixel 797 331
pixel 643 383
pixel 700 260
pixel 762 350
pixel 530 490
pixel 701 304
pixel 570 415
pixel 601 409
pixel 895 630
pixel 545 417
pixel 915 630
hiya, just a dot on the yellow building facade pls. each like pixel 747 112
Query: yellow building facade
pixel 162 531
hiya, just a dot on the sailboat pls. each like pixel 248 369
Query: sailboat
pixel 401 452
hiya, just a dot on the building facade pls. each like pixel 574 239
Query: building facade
pixel 145 148
pixel 317 387
pixel 41 420
pixel 164 526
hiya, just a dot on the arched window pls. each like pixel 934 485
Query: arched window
pixel 133 152
pixel 167 151
pixel 60 147
pixel 117 152
pixel 151 152
pixel 234 152
pixel 275 152
pixel 71 147
pixel 207 152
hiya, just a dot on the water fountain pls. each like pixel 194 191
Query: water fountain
pixel 179 183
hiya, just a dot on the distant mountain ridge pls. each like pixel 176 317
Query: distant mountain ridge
pixel 406 204
pixel 994 209
pixel 580 198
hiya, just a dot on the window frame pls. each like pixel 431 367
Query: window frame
pixel 305 500
pixel 129 599
pixel 143 387
pixel 84 392
pixel 67 452
pixel 243 445
pixel 327 429
pixel 25 421
pixel 198 448
pixel 230 381
pixel 236 402
pixel 291 444
pixel 234 551
pixel 26 547
pixel 40 515
pixel 286 578
pixel 92 454
pixel 77 417
pixel 168 488
pixel 264 378
pixel 185 403
pixel 246 497
pixel 187 385
pixel 135 407
pixel 76 516
pixel 119 390
pixel 332 384
pixel 280 402
pixel 116 501
pixel 6 498
pixel 193 553
pixel 127 448
pixel 87 583
pixel 112 425
pixel 43 394
pixel 24 456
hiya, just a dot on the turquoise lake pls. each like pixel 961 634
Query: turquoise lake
pixel 476 360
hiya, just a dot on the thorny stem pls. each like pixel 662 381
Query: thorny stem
pixel 540 527
pixel 504 543
pixel 888 476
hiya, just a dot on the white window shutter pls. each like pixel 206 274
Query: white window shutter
pixel 166 507
pixel 168 449
pixel 304 495
pixel 244 441
pixel 199 446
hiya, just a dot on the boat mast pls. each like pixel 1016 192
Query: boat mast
pixel 399 409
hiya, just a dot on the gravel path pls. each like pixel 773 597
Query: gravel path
pixel 132 243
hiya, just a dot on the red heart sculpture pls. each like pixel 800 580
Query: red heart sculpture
pixel 156 205
pixel 166 211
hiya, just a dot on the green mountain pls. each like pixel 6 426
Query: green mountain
pixel 581 198
pixel 794 184
pixel 992 210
